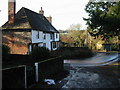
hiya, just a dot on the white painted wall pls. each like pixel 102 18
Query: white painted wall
pixel 56 39
pixel 34 38
pixel 47 41
pixel 52 37
pixel 54 49
pixel 40 45
pixel 41 40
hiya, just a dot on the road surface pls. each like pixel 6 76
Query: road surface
pixel 82 76
pixel 98 60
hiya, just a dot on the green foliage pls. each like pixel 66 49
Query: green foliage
pixel 115 47
pixel 104 18
pixel 40 53
pixel 83 53
pixel 67 53
pixel 76 53
pixel 74 37
pixel 5 50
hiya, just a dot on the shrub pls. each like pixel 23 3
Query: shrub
pixel 5 50
pixel 83 53
pixel 40 53
pixel 67 53
pixel 115 47
pixel 76 52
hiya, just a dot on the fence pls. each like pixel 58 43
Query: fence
pixel 14 77
pixel 25 76
pixel 47 68
pixel 30 70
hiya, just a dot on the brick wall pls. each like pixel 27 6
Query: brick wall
pixel 17 41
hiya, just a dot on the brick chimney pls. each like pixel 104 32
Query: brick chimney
pixel 41 12
pixel 11 11
pixel 49 19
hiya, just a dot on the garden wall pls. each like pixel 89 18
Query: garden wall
pixel 30 70
pixel 15 58
pixel 25 76
pixel 47 68
pixel 76 52
pixel 74 48
pixel 14 77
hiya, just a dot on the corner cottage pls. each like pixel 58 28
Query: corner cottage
pixel 27 29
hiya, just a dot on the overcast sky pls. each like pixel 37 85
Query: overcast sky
pixel 63 12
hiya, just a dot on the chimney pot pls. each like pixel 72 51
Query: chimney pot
pixel 41 12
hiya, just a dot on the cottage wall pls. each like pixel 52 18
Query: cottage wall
pixel 17 41
pixel 56 36
pixel 45 39
pixel 41 38
pixel 35 37
pixel 55 43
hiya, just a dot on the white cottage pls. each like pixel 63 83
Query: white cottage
pixel 27 29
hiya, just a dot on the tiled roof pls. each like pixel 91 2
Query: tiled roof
pixel 27 19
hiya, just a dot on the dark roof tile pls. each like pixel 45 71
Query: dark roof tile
pixel 27 19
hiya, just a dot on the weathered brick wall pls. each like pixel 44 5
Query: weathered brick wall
pixel 17 41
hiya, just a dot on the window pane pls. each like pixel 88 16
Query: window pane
pixel 51 36
pixel 56 35
pixel 37 35
pixel 44 36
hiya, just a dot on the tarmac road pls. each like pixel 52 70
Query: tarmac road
pixel 82 76
pixel 98 60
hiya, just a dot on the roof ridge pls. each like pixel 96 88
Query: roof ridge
pixel 31 10
pixel 27 18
